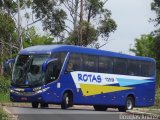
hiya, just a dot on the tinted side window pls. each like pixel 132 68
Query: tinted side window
pixel 134 68
pixel 52 72
pixel 90 63
pixel 55 69
pixel 75 62
pixel 105 64
pixel 120 66
pixel 147 69
pixel 60 56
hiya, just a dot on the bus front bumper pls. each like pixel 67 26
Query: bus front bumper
pixel 21 96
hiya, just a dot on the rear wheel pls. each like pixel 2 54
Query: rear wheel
pixel 67 101
pixel 35 105
pixel 128 106
pixel 100 107
pixel 122 109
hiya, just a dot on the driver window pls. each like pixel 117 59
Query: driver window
pixel 75 63
pixel 52 72
pixel 54 68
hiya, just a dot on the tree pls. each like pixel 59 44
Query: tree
pixel 55 14
pixel 156 35
pixel 50 13
pixel 31 38
pixel 145 46
pixel 7 28
pixel 88 31
pixel 155 6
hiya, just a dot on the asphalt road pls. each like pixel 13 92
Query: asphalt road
pixel 75 113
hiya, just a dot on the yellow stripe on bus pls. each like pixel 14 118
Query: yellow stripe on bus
pixel 89 89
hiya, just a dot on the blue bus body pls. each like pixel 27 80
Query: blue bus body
pixel 89 88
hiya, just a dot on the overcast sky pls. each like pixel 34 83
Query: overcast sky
pixel 132 18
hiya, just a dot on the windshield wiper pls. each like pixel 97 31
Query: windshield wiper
pixel 26 68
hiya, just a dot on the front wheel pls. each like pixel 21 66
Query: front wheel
pixel 100 107
pixel 66 101
pixel 35 105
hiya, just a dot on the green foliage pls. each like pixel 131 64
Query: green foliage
pixel 155 6
pixel 31 38
pixel 7 25
pixel 9 5
pixel 4 85
pixel 52 17
pixel 157 47
pixel 145 46
pixel 7 29
pixel 4 89
pixel 107 26
pixel 157 97
pixel 88 31
pixel 96 7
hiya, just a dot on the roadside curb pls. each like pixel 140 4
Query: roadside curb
pixel 10 115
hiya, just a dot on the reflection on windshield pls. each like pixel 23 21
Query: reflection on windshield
pixel 28 71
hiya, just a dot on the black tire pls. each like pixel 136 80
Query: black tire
pixel 44 105
pixel 35 105
pixel 128 105
pixel 122 109
pixel 100 107
pixel 67 101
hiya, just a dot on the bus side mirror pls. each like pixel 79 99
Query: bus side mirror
pixel 9 65
pixel 46 62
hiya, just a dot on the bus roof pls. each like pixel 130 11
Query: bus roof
pixel 48 49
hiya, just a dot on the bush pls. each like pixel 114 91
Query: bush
pixel 157 98
pixel 158 79
pixel 4 85
pixel 4 89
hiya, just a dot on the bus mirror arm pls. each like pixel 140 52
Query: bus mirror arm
pixel 9 64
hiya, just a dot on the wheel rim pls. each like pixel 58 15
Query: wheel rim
pixel 67 100
pixel 129 104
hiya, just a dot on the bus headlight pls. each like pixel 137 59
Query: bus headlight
pixel 42 90
pixel 11 90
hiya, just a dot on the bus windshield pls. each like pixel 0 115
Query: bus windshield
pixel 27 70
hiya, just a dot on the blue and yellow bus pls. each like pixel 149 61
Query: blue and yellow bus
pixel 72 75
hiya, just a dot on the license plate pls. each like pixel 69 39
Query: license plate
pixel 24 98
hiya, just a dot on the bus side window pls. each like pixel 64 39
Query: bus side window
pixel 134 68
pixel 74 63
pixel 105 65
pixel 90 63
pixel 61 57
pixel 147 69
pixel 120 66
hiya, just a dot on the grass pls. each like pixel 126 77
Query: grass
pixel 4 98
pixel 4 90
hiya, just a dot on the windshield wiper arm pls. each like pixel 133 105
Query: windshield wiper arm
pixel 28 65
